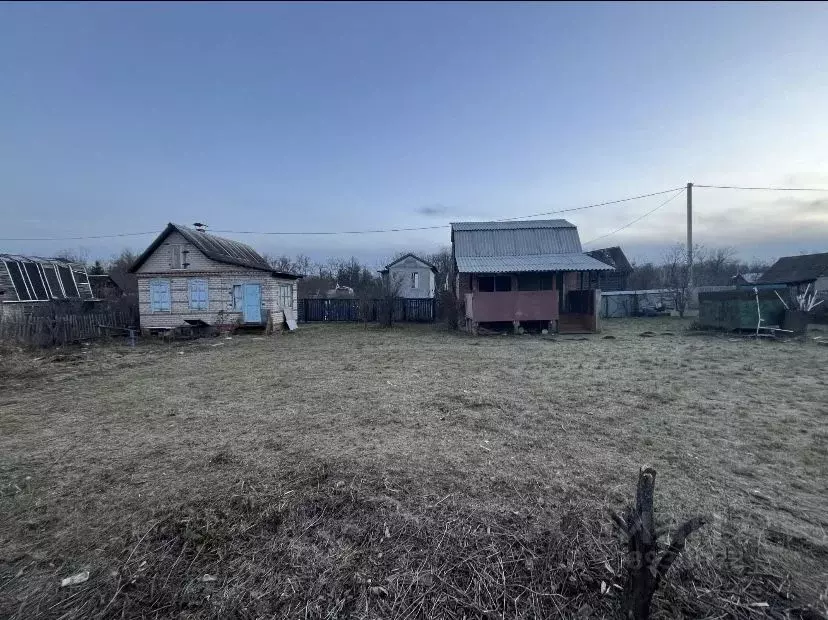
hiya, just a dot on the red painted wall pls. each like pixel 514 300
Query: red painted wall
pixel 513 306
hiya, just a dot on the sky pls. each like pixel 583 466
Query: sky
pixel 118 118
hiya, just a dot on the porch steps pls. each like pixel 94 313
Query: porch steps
pixel 572 325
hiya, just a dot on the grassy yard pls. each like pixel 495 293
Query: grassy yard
pixel 411 472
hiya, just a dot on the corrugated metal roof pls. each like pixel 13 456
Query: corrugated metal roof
pixel 530 262
pixel 215 248
pixel 529 245
pixel 517 242
pixel 224 250
pixel 527 224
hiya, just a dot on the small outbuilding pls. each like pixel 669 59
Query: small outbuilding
pixel 798 272
pixel 189 277
pixel 615 280
pixel 104 286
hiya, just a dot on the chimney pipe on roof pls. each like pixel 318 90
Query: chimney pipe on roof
pixel 200 227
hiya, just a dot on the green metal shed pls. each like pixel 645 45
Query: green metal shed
pixel 736 309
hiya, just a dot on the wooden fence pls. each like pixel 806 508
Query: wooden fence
pixel 58 329
pixel 405 310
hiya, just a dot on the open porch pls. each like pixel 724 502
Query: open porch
pixel 560 300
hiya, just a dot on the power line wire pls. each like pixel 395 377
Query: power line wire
pixel 347 232
pixel 600 204
pixel 771 189
pixel 332 232
pixel 638 219
pixel 436 227
pixel 135 234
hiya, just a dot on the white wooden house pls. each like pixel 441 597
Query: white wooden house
pixel 411 277
pixel 190 277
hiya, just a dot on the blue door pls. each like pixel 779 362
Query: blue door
pixel 252 303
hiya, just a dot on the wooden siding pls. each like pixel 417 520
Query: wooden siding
pixel 159 261
pixel 220 297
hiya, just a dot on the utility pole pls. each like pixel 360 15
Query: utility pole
pixel 690 234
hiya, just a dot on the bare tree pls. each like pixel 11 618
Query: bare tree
pixel 719 258
pixel 676 275
pixel 302 265
pixel 644 276
pixel 118 269
pixel 281 263
pixel 79 255
pixel 442 261
pixel 716 266
pixel 390 288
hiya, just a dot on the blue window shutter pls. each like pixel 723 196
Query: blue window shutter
pixel 198 294
pixel 160 296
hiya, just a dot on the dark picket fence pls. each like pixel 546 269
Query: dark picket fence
pixel 61 328
pixel 405 310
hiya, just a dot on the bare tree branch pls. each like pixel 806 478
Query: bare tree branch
pixel 678 540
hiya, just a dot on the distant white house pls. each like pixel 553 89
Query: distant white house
pixel 412 277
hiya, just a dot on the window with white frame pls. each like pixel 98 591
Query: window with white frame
pixel 160 298
pixel 198 294
pixel 286 295
pixel 415 280
pixel 178 257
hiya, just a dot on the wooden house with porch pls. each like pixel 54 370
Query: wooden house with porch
pixel 530 273
pixel 188 277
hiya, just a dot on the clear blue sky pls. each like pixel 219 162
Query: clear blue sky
pixel 121 117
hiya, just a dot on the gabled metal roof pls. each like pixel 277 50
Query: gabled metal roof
pixel 529 245
pixel 215 248
pixel 409 255
pixel 530 262
pixel 512 225
pixel 514 238
pixel 223 250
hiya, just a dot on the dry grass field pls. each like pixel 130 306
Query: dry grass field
pixel 412 472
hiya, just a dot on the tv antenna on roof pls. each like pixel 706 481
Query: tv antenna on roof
pixel 200 227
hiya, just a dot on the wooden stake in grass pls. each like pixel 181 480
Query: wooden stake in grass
pixel 646 567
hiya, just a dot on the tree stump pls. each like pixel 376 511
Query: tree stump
pixel 646 567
